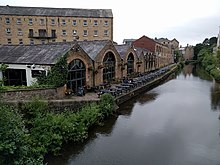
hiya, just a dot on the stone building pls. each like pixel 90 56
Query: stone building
pixel 39 25
pixel 162 54
pixel 187 53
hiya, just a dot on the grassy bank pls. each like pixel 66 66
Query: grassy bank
pixel 30 132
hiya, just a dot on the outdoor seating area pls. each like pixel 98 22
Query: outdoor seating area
pixel 128 84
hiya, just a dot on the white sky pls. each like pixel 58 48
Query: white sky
pixel 189 21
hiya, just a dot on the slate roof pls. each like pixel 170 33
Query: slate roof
pixel 42 11
pixel 33 54
pixel 139 50
pixel 122 49
pixel 92 48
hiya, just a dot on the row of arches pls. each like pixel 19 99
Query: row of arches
pixel 91 64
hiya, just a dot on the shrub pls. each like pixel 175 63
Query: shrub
pixel 107 105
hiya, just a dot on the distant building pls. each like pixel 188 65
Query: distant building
pixel 163 54
pixel 187 52
pixel 128 41
pixel 174 44
pixel 39 25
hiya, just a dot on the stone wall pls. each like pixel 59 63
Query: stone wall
pixel 28 94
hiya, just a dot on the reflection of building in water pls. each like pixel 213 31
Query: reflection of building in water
pixel 187 70
pixel 215 96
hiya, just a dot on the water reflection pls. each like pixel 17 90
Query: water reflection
pixel 71 149
pixel 172 124
pixel 215 96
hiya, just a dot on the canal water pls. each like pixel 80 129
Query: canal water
pixel 176 123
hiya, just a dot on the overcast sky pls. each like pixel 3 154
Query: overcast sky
pixel 189 21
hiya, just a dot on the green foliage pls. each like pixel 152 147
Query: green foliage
pixel 216 74
pixel 26 138
pixel 57 76
pixel 14 146
pixel 107 104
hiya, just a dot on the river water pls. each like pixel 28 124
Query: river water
pixel 176 123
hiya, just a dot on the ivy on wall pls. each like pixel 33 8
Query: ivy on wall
pixel 58 74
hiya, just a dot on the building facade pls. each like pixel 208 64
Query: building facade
pixel 90 63
pixel 38 25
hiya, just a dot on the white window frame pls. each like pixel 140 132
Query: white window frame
pixel 30 21
pixel 95 33
pixel 18 21
pixel 20 41
pixel 74 32
pixel 106 33
pixel 95 23
pixel 85 32
pixel 106 23
pixel 74 23
pixel 31 42
pixel 63 22
pixel 64 33
pixel 53 22
pixel 85 23
pixel 8 30
pixel 9 41
pixel 20 33
pixel 7 21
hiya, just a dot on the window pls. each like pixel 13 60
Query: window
pixel 42 33
pixel 53 33
pixel 64 40
pixel 76 75
pixel 53 40
pixel 18 21
pixel 31 33
pixel 64 32
pixel 52 21
pixel 20 41
pixel 95 32
pixel 85 23
pixel 9 41
pixel 30 21
pixel 7 20
pixel 130 64
pixel 20 33
pixel 95 23
pixel 8 30
pixel 85 33
pixel 42 22
pixel 37 73
pixel 106 23
pixel 31 42
pixel 74 32
pixel 74 23
pixel 63 22
pixel 105 32
pixel 42 41
pixel 109 67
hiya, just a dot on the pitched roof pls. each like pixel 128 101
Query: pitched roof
pixel 92 48
pixel 42 11
pixel 122 49
pixel 33 54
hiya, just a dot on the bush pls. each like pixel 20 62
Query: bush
pixel 107 105
pixel 14 146
pixel 216 74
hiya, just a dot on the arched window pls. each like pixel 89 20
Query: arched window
pixel 76 75
pixel 130 64
pixel 109 67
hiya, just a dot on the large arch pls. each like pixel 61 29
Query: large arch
pixel 76 75
pixel 109 63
